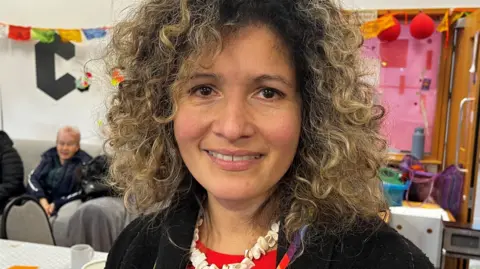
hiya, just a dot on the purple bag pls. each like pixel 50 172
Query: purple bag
pixel 448 189
pixel 422 182
pixel 445 188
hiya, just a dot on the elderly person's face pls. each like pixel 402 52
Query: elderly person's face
pixel 67 145
pixel 238 125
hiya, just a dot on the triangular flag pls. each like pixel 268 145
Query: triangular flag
pixel 447 21
pixel 444 25
pixel 94 33
pixel 43 35
pixel 456 17
pixel 19 33
pixel 70 35
pixel 3 30
pixel 371 29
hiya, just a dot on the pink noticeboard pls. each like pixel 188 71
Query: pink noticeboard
pixel 407 65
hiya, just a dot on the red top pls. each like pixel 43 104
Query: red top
pixel 267 261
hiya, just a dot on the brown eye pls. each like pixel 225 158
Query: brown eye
pixel 270 93
pixel 202 91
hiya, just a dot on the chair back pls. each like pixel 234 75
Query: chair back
pixel 24 219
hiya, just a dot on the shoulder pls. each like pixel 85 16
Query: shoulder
pixel 50 153
pixel 10 153
pixel 381 247
pixel 139 241
pixel 84 156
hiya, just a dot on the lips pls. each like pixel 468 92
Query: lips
pixel 232 157
pixel 234 161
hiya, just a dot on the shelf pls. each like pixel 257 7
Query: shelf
pixel 398 157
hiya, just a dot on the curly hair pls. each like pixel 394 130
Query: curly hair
pixel 333 180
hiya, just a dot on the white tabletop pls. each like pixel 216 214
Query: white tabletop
pixel 43 256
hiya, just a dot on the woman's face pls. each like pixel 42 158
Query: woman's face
pixel 238 124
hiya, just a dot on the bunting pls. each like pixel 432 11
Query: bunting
pixel 70 35
pixel 371 29
pixel 447 21
pixel 45 35
pixel 94 33
pixel 3 31
pixel 19 33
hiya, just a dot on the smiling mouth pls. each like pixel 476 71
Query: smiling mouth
pixel 233 158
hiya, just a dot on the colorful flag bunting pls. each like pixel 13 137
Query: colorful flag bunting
pixel 3 31
pixel 19 33
pixel 371 29
pixel 447 21
pixel 43 35
pixel 443 25
pixel 70 35
pixel 94 33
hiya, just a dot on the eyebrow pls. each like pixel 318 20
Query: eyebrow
pixel 258 79
pixel 277 78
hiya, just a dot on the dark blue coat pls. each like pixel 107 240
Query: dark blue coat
pixel 68 188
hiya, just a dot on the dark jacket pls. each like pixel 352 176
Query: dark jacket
pixel 68 188
pixel 11 171
pixel 147 242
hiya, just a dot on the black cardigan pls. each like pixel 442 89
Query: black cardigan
pixel 147 242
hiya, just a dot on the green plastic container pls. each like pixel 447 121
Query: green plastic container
pixel 391 176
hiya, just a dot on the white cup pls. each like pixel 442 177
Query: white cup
pixel 80 255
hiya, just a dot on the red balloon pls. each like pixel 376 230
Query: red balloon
pixel 422 26
pixel 392 33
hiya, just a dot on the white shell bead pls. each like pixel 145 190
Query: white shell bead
pixel 248 263
pixel 273 234
pixel 256 253
pixel 202 265
pixel 262 243
pixel 270 240
pixel 275 227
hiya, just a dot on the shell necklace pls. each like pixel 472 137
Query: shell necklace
pixel 263 245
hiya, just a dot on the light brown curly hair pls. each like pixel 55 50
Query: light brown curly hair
pixel 333 179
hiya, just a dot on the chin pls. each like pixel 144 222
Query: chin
pixel 234 191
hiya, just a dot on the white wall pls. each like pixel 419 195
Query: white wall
pixel 62 13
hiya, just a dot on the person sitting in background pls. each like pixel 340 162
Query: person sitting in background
pixel 54 180
pixel 11 171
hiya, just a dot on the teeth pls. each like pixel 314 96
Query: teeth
pixel 232 158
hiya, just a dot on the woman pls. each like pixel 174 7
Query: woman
pixel 247 128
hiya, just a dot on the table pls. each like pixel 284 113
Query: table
pixel 30 254
pixel 447 215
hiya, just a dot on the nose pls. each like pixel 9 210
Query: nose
pixel 233 121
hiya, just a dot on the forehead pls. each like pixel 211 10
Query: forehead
pixel 254 48
pixel 66 136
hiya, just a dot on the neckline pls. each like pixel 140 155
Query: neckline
pixel 206 250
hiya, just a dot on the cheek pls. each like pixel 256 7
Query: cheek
pixel 284 131
pixel 188 126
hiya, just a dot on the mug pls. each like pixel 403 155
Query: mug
pixel 80 255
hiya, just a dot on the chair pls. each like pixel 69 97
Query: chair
pixel 25 220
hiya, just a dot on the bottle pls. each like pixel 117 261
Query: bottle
pixel 418 143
